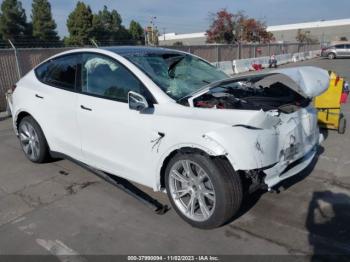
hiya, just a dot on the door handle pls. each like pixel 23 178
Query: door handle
pixel 85 108
pixel 37 96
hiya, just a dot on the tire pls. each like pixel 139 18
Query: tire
pixel 331 56
pixel 32 140
pixel 217 193
pixel 342 125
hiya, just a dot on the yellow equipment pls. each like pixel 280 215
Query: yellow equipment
pixel 329 106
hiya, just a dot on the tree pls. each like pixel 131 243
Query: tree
pixel 305 37
pixel 221 29
pixel 229 28
pixel 103 25
pixel 255 31
pixel 119 32
pixel 178 43
pixel 13 21
pixel 107 27
pixel 79 25
pixel 136 32
pixel 44 27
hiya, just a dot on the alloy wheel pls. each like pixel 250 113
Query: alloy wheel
pixel 192 190
pixel 29 140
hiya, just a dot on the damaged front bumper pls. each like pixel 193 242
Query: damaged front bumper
pixel 304 139
pixel 281 171
pixel 276 149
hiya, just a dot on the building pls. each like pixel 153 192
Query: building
pixel 322 31
pixel 185 39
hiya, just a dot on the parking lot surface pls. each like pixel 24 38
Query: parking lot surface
pixel 61 208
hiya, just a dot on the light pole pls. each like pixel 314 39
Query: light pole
pixel 152 26
pixel 146 39
pixel 238 33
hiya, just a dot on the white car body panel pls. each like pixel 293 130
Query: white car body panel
pixel 311 81
pixel 60 129
pixel 128 143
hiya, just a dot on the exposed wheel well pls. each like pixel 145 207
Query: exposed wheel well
pixel 184 150
pixel 20 117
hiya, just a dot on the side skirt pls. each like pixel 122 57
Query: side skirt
pixel 120 183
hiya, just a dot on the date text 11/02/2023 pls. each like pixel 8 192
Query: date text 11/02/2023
pixel 173 258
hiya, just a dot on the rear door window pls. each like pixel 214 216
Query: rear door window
pixel 59 72
pixel 339 46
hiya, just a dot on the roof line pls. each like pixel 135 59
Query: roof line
pixel 316 24
pixel 272 28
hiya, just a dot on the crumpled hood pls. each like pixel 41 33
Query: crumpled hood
pixel 311 81
pixel 307 81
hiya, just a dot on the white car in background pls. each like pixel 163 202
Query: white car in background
pixel 171 121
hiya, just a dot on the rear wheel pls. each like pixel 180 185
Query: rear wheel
pixel 32 140
pixel 342 125
pixel 204 192
pixel 331 56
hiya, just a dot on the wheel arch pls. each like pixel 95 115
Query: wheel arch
pixel 185 150
pixel 18 118
pixel 22 113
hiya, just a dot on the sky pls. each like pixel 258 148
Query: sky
pixel 188 16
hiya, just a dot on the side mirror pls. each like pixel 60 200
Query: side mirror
pixel 137 102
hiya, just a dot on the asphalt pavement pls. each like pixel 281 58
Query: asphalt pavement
pixel 61 208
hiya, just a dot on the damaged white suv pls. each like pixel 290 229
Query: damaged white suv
pixel 171 121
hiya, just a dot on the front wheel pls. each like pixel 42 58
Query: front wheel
pixel 331 56
pixel 205 192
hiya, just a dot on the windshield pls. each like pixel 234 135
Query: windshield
pixel 177 74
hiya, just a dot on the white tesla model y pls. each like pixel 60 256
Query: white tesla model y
pixel 171 121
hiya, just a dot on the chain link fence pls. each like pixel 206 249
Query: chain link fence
pixel 16 62
pixel 218 53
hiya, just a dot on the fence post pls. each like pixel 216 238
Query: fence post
pixel 94 42
pixel 239 50
pixel 217 54
pixel 17 61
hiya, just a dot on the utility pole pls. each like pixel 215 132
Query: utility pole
pixel 146 37
pixel 152 26
pixel 156 40
pixel 164 33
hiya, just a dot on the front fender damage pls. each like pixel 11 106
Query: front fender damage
pixel 247 149
pixel 278 146
pixel 249 146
